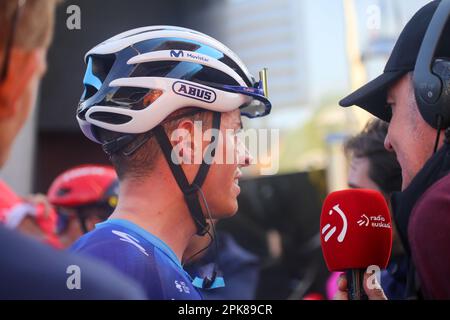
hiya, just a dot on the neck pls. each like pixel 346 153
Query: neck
pixel 163 214
pixel 195 247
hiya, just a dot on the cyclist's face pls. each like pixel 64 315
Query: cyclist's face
pixel 221 186
pixel 69 226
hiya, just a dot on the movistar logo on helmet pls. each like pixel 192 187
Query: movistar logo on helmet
pixel 188 54
pixel 176 54
pixel 194 92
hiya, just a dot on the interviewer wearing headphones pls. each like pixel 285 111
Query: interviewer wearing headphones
pixel 413 95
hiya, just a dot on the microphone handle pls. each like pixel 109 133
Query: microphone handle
pixel 355 278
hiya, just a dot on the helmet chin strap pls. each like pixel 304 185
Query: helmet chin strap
pixel 190 191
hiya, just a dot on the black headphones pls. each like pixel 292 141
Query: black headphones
pixel 432 75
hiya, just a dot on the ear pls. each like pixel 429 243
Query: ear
pixel 23 65
pixel 187 125
pixel 186 140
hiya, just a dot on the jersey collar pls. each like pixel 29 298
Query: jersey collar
pixel 161 245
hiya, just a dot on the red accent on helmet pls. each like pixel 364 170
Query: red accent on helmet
pixel 81 185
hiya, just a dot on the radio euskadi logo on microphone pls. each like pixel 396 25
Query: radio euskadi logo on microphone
pixel 373 221
pixel 327 232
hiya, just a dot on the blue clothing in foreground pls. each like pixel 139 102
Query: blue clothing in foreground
pixel 30 270
pixel 141 256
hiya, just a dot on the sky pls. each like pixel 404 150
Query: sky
pixel 326 39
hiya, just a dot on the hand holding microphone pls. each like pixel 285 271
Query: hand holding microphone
pixel 356 233
pixel 375 292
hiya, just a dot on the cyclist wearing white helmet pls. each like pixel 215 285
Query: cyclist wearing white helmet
pixel 140 87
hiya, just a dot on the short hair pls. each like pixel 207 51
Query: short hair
pixel 384 169
pixel 140 163
pixel 35 25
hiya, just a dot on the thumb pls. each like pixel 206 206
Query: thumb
pixel 372 287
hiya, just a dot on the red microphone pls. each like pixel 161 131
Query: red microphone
pixel 356 233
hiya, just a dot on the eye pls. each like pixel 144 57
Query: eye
pixel 391 105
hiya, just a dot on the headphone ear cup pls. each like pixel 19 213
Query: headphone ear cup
pixel 441 68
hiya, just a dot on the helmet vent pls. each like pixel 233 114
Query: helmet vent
pixel 102 64
pixel 63 191
pixel 111 118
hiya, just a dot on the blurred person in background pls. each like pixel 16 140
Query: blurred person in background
pixel 28 269
pixel 374 167
pixel 32 216
pixel 416 73
pixel 83 196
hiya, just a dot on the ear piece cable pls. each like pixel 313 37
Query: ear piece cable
pixel 212 235
pixel 208 282
pixel 438 135
pixel 213 227
pixel 191 258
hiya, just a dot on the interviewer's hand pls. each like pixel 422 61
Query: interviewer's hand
pixel 376 293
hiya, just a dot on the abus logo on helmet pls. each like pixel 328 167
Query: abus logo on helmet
pixel 194 92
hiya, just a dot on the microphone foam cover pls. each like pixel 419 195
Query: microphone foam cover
pixel 355 230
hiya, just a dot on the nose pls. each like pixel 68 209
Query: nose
pixel 244 156
pixel 387 144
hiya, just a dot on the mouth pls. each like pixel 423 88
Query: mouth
pixel 237 176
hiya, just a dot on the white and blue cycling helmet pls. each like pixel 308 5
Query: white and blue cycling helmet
pixel 187 68
pixel 136 79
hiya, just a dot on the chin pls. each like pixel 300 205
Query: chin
pixel 234 210
pixel 226 210
pixel 233 207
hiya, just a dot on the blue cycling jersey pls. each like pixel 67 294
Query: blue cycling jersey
pixel 141 256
